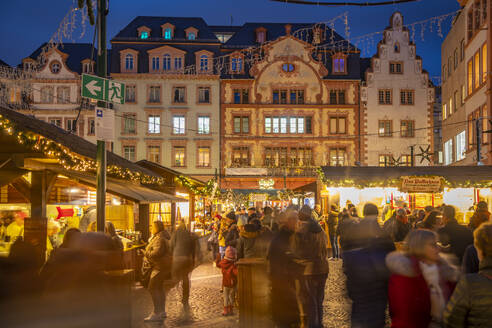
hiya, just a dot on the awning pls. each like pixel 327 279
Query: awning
pixel 272 192
pixel 125 189
pixel 310 187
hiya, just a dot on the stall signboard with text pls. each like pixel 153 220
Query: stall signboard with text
pixel 258 197
pixel 416 184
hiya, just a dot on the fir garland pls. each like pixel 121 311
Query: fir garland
pixel 206 190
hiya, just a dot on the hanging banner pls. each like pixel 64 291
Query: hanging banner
pixel 411 184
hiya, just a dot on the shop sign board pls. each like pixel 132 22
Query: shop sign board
pixel 104 124
pixel 258 197
pixel 416 184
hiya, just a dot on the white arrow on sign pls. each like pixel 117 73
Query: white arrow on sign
pixel 92 87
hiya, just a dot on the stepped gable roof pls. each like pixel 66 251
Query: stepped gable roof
pixel 76 53
pixel 129 32
pixel 365 64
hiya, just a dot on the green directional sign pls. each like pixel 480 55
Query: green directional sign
pixel 98 88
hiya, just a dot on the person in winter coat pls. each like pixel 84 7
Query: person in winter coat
pixel 310 253
pixel 225 226
pixel 454 235
pixel 480 216
pixel 282 268
pixel 471 303
pixel 430 222
pixel 229 279
pixel 231 235
pixel 158 258
pixel 366 272
pixel 267 220
pixel 421 282
pixel 331 224
pixel 183 246
pixel 346 224
pixel 401 225
pixel 253 240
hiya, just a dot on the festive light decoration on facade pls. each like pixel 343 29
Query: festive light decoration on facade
pixel 209 189
pixel 68 159
pixel 392 182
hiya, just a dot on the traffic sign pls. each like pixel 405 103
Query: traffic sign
pixel 104 124
pixel 99 88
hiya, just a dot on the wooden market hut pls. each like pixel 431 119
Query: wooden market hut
pixel 36 156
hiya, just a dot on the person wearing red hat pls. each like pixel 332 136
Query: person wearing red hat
pixel 229 278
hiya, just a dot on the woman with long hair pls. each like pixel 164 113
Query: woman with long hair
pixel 421 282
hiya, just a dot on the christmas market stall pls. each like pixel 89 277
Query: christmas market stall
pixel 198 197
pixel 416 187
pixel 49 175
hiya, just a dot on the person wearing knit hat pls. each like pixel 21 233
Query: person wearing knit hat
pixel 229 279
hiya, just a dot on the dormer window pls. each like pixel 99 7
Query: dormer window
pixel 191 33
pixel 260 35
pixel 168 34
pixel 167 31
pixel 143 32
pixel 129 62
pixel 55 67
pixel 87 66
pixel 339 64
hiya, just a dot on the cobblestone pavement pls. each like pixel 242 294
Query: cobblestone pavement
pixel 206 302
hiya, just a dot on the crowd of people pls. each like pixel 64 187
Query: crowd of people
pixel 427 268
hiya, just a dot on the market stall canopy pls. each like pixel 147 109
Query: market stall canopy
pixel 17 124
pixel 310 187
pixel 372 176
pixel 124 189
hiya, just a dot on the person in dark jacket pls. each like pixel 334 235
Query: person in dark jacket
pixel 332 223
pixel 480 216
pixel 253 241
pixel 345 227
pixel 282 268
pixel 401 225
pixel 184 249
pixel 471 303
pixel 430 222
pixel 471 263
pixel 310 253
pixel 267 220
pixel 367 275
pixel 454 235
pixel 158 258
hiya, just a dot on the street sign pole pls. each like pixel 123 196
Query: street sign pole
pixel 101 144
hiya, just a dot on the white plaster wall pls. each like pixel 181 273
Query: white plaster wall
pixel 413 79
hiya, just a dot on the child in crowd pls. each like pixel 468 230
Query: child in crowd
pixel 229 278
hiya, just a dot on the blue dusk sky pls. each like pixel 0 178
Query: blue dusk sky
pixel 24 25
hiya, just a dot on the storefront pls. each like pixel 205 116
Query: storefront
pixel 416 187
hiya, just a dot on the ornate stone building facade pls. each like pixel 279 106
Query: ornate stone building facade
pixel 287 113
pixel 171 117
pixel 397 102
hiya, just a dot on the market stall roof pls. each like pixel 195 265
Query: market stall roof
pixel 69 140
pixel 373 174
pixel 124 189
pixel 159 169
pixel 310 187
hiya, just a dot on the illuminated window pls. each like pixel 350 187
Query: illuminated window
pixel 407 129
pixel 154 153
pixel 337 156
pixel 476 78
pixel 203 156
pixel 168 33
pixel 448 152
pixel 339 66
pixel 460 146
pixel 385 160
pixel 484 63
pixel 179 156
pixel 191 36
pixel 144 35
pixel 240 156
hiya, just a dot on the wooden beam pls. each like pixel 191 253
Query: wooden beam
pixel 22 186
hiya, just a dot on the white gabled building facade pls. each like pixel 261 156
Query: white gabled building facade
pixel 396 103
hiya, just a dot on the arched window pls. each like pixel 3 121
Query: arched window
pixel 166 62
pixel 155 63
pixel 397 47
pixel 236 64
pixel 168 34
pixel 203 63
pixel 129 62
